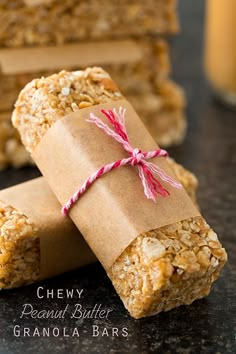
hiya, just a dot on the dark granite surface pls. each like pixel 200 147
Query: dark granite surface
pixel 208 325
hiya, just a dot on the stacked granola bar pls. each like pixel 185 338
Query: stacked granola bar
pixel 40 22
pixel 29 25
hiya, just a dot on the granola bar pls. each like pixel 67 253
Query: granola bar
pixel 158 100
pixel 151 66
pixel 19 241
pixel 56 22
pixel 21 235
pixel 161 268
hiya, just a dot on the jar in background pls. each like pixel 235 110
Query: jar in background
pixel 220 48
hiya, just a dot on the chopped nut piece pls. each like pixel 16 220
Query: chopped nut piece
pixel 152 248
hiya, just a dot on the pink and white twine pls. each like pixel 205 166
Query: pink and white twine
pixel 147 170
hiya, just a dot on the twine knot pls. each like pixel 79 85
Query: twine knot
pixel 137 156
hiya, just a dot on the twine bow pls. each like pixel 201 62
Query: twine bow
pixel 147 170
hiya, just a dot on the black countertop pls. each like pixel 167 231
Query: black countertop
pixel 208 325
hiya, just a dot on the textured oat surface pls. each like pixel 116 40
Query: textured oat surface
pixel 160 269
pixel 80 20
pixel 168 267
pixel 43 101
pixel 19 248
pixel 11 150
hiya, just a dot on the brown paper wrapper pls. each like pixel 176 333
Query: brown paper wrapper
pixel 114 210
pixel 62 248
pixel 28 60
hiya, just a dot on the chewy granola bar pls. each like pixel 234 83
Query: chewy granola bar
pixel 161 268
pixel 19 236
pixel 56 22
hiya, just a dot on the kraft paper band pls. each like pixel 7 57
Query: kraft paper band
pixel 114 211
pixel 29 60
pixel 62 248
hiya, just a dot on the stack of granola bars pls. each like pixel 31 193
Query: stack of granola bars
pixel 127 37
